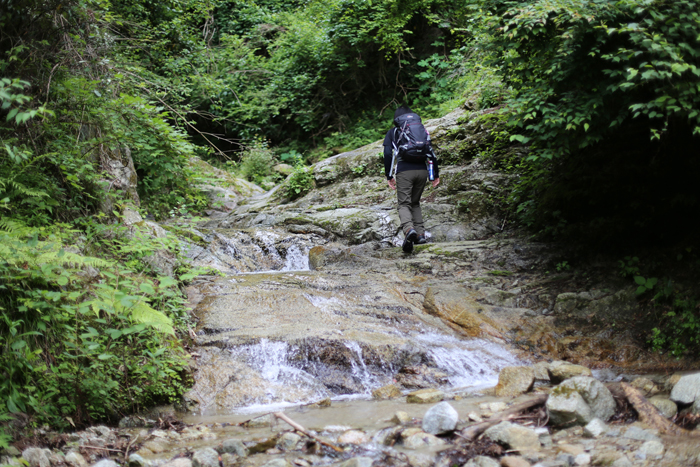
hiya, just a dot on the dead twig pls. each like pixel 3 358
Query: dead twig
pixel 650 415
pixel 303 430
pixel 470 433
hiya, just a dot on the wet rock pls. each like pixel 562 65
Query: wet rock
pixel 288 441
pixel 265 420
pixel 137 461
pixel 595 428
pixel 401 418
pixel 687 390
pixel 652 448
pixel 482 461
pixel 357 462
pixel 666 407
pixel 156 446
pixel 388 436
pixel 206 457
pixel 498 297
pixel 75 459
pixel 513 436
pixel 105 463
pixel 514 461
pixel 179 462
pixel 353 437
pixel 566 406
pixel 390 391
pixel 439 419
pixel 421 440
pixel 645 385
pixel 425 396
pixel 474 417
pixel 420 377
pixel 37 457
pixel 515 380
pixel 234 446
pixel 560 371
pixel 541 370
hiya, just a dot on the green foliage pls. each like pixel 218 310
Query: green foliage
pixel 301 181
pixel 257 161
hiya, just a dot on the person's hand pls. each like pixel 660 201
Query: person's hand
pixel 392 183
pixel 436 182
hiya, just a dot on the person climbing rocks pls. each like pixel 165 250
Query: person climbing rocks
pixel 408 145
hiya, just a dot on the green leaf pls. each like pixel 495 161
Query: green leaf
pixel 640 280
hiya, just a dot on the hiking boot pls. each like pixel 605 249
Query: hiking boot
pixel 411 236
pixel 422 240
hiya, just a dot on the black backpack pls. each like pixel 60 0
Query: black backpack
pixel 413 140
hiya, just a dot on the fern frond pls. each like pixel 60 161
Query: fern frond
pixel 144 314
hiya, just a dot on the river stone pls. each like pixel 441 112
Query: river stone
pixel 595 428
pixel 425 396
pixel 560 371
pixel 420 459
pixel 541 370
pixel 75 459
pixel 105 463
pixel 513 436
pixel 179 462
pixel 666 407
pixel 390 391
pixel 596 395
pixel 421 440
pixel 566 406
pixel 156 446
pixel 37 457
pixel 672 381
pixel 288 441
pixel 234 446
pixel 640 434
pixel 387 436
pixel 137 461
pixel 439 419
pixel 514 380
pixel 687 390
pixel 279 462
pixel 401 418
pixel 357 462
pixel 206 457
pixel 645 385
pixel 482 461
pixel 514 461
pixel 265 420
pixel 353 437
pixel 652 448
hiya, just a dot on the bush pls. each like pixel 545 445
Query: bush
pixel 257 161
pixel 301 181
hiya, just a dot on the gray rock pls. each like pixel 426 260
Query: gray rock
pixel 439 419
pixel 421 440
pixel 180 462
pixel 137 461
pixel 105 463
pixel 595 428
pixel 652 448
pixel 645 385
pixel 687 389
pixel 582 459
pixel 234 446
pixel 596 395
pixel 288 441
pixel 623 461
pixel 387 436
pixel 666 407
pixel 75 459
pixel 513 436
pixel 357 462
pixel 560 371
pixel 420 459
pixel 206 457
pixel 566 406
pixel 482 461
pixel 425 396
pixel 353 437
pixel 37 457
pixel 545 437
pixel 514 461
pixel 401 417
pixel 541 370
pixel 515 380
pixel 566 459
pixel 640 434
pixel 279 462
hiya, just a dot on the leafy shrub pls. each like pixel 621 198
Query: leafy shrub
pixel 257 161
pixel 301 181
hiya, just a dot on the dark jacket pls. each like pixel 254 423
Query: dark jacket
pixel 390 138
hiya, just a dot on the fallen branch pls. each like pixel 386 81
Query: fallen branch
pixel 470 433
pixel 650 415
pixel 303 430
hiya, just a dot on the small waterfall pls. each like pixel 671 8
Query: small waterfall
pixel 359 369
pixel 296 260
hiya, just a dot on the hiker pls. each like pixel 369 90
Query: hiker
pixel 408 145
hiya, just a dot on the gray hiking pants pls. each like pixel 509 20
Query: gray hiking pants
pixel 409 188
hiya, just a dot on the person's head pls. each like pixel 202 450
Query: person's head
pixel 403 109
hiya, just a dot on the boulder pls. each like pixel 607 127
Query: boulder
pixel 206 457
pixel 566 406
pixel 234 446
pixel 666 407
pixel 596 395
pixel 390 391
pixel 560 371
pixel 425 396
pixel 687 389
pixel 515 380
pixel 514 436
pixel 439 419
pixel 288 441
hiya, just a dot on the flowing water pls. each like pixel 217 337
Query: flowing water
pixel 274 334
